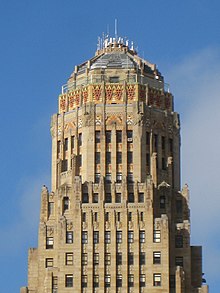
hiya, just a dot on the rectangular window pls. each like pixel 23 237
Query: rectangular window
pixel 96 281
pixel 118 216
pixel 119 281
pixel 65 203
pixel 84 259
pixel 96 237
pixel 171 145
pixel 130 236
pixel 95 198
pixel 108 158
pixel 96 258
pixel 130 197
pixel 108 136
pixel 97 177
pixel 72 142
pixel 119 158
pixel 119 258
pixel 142 236
pixel 107 281
pixel 84 237
pixel 80 139
pixel 140 197
pixel 95 217
pixel 54 284
pixel 148 160
pixel 107 216
pixel 155 141
pixel 130 280
pixel 129 216
pixel 179 206
pixel 107 259
pixel 130 258
pixel 162 202
pixel 66 144
pixel 130 157
pixel 142 280
pixel 85 197
pixel 108 197
pixel 163 142
pixel 156 236
pixel 107 237
pixel 179 241
pixel 49 262
pixel 80 160
pixel 118 177
pixel 69 281
pixel 119 236
pixel 58 146
pixel 118 198
pixel 130 177
pixel 172 282
pixel 97 157
pixel 84 217
pixel 69 237
pixel 130 136
pixel 164 167
pixel 156 257
pixel 69 258
pixel 179 261
pixel 108 177
pixel 50 208
pixel 118 136
pixel 142 216
pixel 97 137
pixel 84 281
pixel 49 243
pixel 142 258
pixel 64 164
pixel 147 138
pixel 157 280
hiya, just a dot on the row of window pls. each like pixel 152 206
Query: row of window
pixel 108 197
pixel 108 157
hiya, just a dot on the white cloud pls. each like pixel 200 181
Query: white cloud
pixel 196 86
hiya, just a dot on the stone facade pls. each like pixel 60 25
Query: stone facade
pixel 116 220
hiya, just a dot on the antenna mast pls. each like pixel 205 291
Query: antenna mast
pixel 116 30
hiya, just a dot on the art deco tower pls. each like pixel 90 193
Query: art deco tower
pixel 115 220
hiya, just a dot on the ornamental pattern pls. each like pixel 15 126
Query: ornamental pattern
pixel 131 92
pixel 114 93
pixel 96 93
pixel 63 103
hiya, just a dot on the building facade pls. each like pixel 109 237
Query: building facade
pixel 116 219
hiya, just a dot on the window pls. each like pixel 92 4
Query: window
pixel 107 236
pixel 95 198
pixel 65 203
pixel 140 197
pixel 97 177
pixel 130 177
pixel 80 160
pixel 49 243
pixel 179 241
pixel 156 257
pixel 118 136
pixel 172 281
pixel 155 141
pixel 84 237
pixel 50 208
pixel 114 79
pixel 147 138
pixel 96 258
pixel 69 237
pixel 119 258
pixel 95 217
pixel 171 145
pixel 84 259
pixel 118 198
pixel 69 258
pixel 108 136
pixel 96 237
pixel 130 280
pixel 108 158
pixel 97 157
pixel 118 177
pixel 96 281
pixel 66 144
pixel 130 258
pixel 179 261
pixel 107 216
pixel 148 160
pixel 130 157
pixel 64 164
pixel 119 158
pixel 164 167
pixel 129 216
pixel 108 177
pixel 142 216
pixel 80 139
pixel 142 258
pixel 84 217
pixel 119 236
pixel 130 197
pixel 69 280
pixel 179 206
pixel 118 216
pixel 72 141
pixel 156 236
pixel 142 280
pixel 107 259
pixel 97 137
pixel 54 284
pixel 130 136
pixel 130 236
pixel 85 197
pixel 163 142
pixel 162 202
pixel 108 197
pixel 142 236
pixel 58 146
pixel 84 281
pixel 107 281
pixel 119 281
pixel 49 262
pixel 157 280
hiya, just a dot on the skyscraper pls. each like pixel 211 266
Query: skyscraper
pixel 116 219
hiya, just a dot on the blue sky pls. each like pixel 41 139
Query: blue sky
pixel 41 42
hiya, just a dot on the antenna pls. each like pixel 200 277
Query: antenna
pixel 116 28
pixel 107 30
